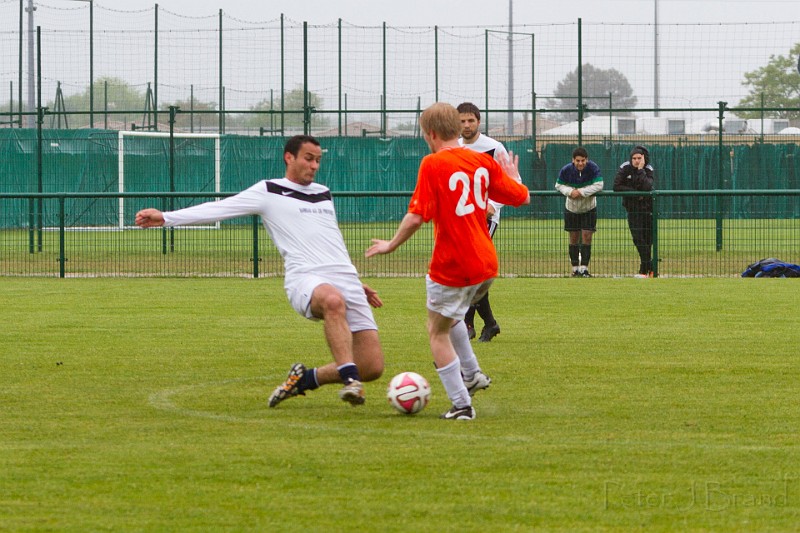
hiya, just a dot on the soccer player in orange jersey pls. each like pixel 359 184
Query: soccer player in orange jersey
pixel 453 189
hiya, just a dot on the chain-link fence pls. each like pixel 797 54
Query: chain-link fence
pixel 108 110
pixel 716 233
pixel 95 65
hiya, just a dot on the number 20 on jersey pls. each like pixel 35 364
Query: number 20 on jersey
pixel 479 186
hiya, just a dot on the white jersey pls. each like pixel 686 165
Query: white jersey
pixel 301 221
pixel 486 145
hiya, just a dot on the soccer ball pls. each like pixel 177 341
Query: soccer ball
pixel 409 392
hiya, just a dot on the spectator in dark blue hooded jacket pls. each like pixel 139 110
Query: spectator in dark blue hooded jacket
pixel 580 181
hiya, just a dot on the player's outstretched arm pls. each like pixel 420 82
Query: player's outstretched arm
pixel 149 218
pixel 378 247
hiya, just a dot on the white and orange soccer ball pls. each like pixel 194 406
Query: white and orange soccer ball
pixel 409 392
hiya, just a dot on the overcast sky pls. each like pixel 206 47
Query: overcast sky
pixel 699 66
pixel 704 47
pixel 485 12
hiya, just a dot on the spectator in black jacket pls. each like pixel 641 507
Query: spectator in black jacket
pixel 636 174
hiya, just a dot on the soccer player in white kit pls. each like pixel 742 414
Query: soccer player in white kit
pixel 472 138
pixel 321 281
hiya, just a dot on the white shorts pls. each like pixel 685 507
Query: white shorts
pixel 359 313
pixel 453 302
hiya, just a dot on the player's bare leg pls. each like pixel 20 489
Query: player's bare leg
pixel 367 355
pixel 328 304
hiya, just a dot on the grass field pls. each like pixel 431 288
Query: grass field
pixel 617 404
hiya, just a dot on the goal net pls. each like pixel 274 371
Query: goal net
pixel 144 166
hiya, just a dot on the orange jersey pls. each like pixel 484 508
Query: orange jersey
pixel 453 188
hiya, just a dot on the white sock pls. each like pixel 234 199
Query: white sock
pixel 459 336
pixel 454 384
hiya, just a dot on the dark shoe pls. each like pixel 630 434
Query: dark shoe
pixel 289 388
pixel 489 332
pixel 459 413
pixel 576 274
pixel 471 331
pixel 585 274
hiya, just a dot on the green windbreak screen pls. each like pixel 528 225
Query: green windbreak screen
pixel 88 160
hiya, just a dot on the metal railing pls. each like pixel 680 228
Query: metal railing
pixel 695 233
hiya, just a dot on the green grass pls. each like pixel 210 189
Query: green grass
pixel 617 404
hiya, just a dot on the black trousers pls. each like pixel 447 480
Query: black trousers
pixel 641 226
pixel 482 306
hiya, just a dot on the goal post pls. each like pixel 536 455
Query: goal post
pixel 121 171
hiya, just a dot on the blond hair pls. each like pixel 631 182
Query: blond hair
pixel 443 119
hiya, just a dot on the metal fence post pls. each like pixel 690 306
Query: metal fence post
pixel 283 76
pixel 255 246
pixel 164 230
pixel 436 63
pixel 654 196
pixel 384 100
pixel 62 254
pixel 306 104
pixel 31 225
pixel 19 74
pixel 91 63
pixel 40 143
pixel 155 71
pixel 339 64
pixel 533 93
pixel 486 80
pixel 173 110
pixel 221 126
pixel 718 201
pixel 580 83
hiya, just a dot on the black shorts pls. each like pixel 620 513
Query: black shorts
pixel 580 221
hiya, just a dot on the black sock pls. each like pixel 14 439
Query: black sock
pixel 485 311
pixel 308 381
pixel 586 254
pixel 348 372
pixel 574 250
pixel 469 318
pixel 645 257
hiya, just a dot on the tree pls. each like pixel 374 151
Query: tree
pixel 4 109
pixel 596 86
pixel 121 97
pixel 184 119
pixel 293 101
pixel 779 82
pixel 411 125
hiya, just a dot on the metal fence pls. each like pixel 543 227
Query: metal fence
pixel 91 64
pixel 81 75
pixel 94 161
pixel 710 234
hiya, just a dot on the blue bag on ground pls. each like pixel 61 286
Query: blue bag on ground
pixel 772 268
